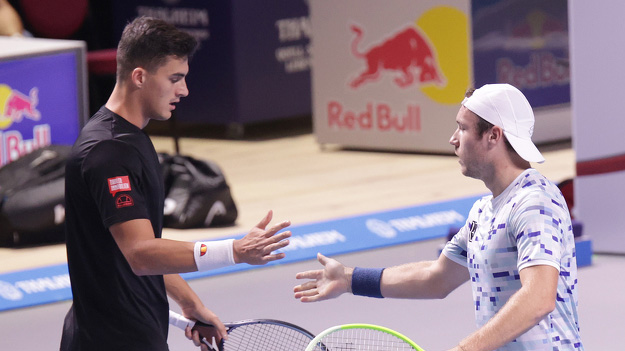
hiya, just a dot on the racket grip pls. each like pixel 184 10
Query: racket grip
pixel 207 331
pixel 180 321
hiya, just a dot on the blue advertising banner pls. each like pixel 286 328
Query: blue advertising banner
pixel 34 287
pixel 333 237
pixel 343 235
pixel 524 43
pixel 38 104
pixel 368 231
pixel 252 64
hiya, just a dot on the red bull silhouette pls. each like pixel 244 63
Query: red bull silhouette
pixel 407 52
pixel 19 106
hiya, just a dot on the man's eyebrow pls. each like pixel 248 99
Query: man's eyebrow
pixel 178 75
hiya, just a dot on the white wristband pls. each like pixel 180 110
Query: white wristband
pixel 213 254
pixel 180 321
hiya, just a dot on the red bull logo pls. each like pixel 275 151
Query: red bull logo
pixel 433 54
pixel 15 106
pixel 539 32
pixel 407 52
pixel 429 56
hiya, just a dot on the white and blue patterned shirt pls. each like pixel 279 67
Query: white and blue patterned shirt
pixel 526 225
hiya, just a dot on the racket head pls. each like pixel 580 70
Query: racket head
pixel 257 335
pixel 361 336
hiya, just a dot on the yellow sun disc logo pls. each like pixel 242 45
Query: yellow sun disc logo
pixel 448 30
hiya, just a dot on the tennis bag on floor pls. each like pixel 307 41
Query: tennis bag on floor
pixel 32 198
pixel 197 194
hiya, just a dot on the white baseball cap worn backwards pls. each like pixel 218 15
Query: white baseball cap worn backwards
pixel 506 107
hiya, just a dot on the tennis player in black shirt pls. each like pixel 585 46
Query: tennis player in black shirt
pixel 121 269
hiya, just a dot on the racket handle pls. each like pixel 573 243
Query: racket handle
pixel 207 331
pixel 180 321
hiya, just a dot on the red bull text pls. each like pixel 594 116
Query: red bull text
pixel 543 70
pixel 13 146
pixel 375 116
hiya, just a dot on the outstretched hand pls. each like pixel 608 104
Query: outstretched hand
pixel 332 281
pixel 258 245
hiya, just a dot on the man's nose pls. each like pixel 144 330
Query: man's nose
pixel 454 140
pixel 183 90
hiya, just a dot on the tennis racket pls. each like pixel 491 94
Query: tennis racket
pixel 361 337
pixel 249 335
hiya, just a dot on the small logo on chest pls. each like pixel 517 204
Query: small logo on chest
pixel 472 230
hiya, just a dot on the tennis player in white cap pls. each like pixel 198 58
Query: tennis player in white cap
pixel 516 248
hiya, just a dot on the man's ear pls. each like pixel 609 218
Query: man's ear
pixel 138 76
pixel 495 134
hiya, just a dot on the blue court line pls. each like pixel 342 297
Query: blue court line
pixel 338 236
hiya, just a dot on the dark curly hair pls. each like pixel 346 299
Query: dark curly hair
pixel 147 42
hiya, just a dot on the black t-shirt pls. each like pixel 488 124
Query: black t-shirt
pixel 112 176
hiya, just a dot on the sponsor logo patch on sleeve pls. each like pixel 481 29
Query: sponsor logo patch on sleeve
pixel 118 184
pixel 124 200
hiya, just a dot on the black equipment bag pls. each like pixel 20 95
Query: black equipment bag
pixel 196 193
pixel 32 197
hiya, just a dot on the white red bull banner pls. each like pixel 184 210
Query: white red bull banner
pixel 389 75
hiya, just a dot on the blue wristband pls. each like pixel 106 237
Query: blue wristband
pixel 366 282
